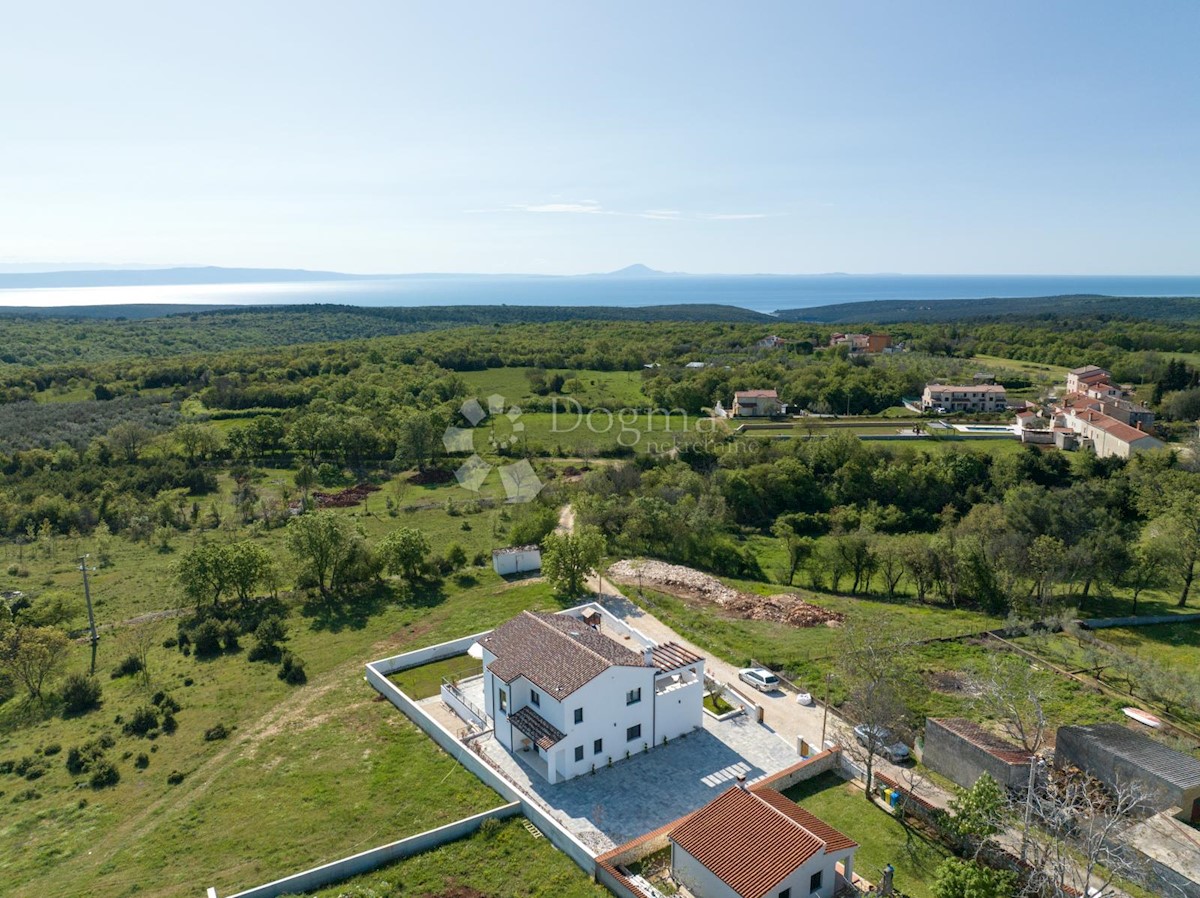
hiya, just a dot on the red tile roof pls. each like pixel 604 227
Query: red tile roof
pixel 834 840
pixel 755 394
pixel 998 748
pixel 753 840
pixel 672 656
pixel 1114 428
pixel 559 654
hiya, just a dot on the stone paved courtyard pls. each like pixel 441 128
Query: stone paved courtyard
pixel 652 788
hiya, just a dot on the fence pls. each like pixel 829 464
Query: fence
pixel 374 858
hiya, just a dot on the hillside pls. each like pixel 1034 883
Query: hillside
pixel 1154 308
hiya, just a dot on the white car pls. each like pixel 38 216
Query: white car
pixel 760 679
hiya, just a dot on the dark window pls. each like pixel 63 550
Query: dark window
pixel 578 752
pixel 814 882
pixel 634 732
pixel 503 700
pixel 786 893
pixel 598 746
pixel 633 696
pixel 534 698
pixel 579 715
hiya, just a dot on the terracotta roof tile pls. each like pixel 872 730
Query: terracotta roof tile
pixel 834 840
pixel 559 654
pixel 756 394
pixel 748 840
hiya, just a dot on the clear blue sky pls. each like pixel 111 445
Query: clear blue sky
pixel 562 137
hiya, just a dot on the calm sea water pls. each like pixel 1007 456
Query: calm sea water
pixel 761 293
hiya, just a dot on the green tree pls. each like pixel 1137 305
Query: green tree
pixel 967 879
pixel 203 574
pixel 419 438
pixel 798 547
pixel 978 812
pixel 322 543
pixel 568 557
pixel 247 566
pixel 33 655
pixel 404 552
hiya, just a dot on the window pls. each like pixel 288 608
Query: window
pixel 814 882
pixel 634 732
pixel 786 893
pixel 578 752
pixel 579 715
pixel 534 698
pixel 633 696
pixel 503 701
pixel 598 746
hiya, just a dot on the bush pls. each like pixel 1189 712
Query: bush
pixel 291 670
pixel 7 766
pixel 104 774
pixel 144 720
pixel 30 767
pixel 82 758
pixel 490 827
pixel 206 638
pixel 168 723
pixel 229 636
pixel 170 642
pixel 164 702
pixel 142 762
pixel 131 665
pixel 52 749
pixel 81 693
pixel 213 733
pixel 174 778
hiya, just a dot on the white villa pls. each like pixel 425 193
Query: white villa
pixel 579 690
pixel 964 398
pixel 757 843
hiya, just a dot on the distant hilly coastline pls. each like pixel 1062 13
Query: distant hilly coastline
pixel 1164 308
pixel 165 277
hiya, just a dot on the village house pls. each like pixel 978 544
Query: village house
pixel 574 698
pixel 757 843
pixel 757 404
pixel 1079 379
pixel 1106 435
pixel 862 342
pixel 964 398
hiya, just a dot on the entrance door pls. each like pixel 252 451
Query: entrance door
pixel 1196 811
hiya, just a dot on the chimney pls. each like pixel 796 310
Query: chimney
pixel 741 781
pixel 1138 425
pixel 648 656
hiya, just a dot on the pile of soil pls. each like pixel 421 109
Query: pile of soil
pixel 688 583
pixel 430 477
pixel 347 498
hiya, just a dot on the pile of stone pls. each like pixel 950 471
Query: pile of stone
pixel 688 583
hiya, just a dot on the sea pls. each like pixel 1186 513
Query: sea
pixel 760 293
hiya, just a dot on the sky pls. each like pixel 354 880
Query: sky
pixel 791 137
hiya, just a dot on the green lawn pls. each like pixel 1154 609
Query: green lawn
pixel 507 863
pixel 882 838
pixel 426 680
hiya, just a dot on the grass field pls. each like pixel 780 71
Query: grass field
pixel 508 863
pixel 610 389
pixel 882 838
pixel 307 773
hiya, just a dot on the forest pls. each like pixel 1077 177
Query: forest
pixel 258 516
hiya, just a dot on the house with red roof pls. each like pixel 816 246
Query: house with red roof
pixel 757 843
pixel 569 697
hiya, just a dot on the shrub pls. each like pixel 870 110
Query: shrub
pixel 52 749
pixel 174 778
pixel 104 774
pixel 188 681
pixel 82 758
pixel 291 670
pixel 29 764
pixel 131 665
pixel 213 733
pixel 170 642
pixel 206 638
pixel 80 693
pixel 27 795
pixel 142 762
pixel 490 827
pixel 164 702
pixel 7 766
pixel 229 636
pixel 106 740
pixel 144 720
pixel 168 723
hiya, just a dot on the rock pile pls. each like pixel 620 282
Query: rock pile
pixel 688 583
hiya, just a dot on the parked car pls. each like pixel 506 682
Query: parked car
pixel 885 743
pixel 760 679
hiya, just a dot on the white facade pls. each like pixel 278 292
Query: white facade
pixel 623 710
pixel 516 560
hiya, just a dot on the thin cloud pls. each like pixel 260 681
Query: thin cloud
pixel 732 216
pixel 593 207
pixel 587 207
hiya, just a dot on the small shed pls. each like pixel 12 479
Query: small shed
pixel 516 560
pixel 1120 757
pixel 961 750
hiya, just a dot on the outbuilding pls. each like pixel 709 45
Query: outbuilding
pixel 962 751
pixel 1121 758
pixel 516 560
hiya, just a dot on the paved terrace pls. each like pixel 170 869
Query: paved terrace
pixel 650 789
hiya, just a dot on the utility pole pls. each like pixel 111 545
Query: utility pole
pixel 825 706
pixel 87 594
